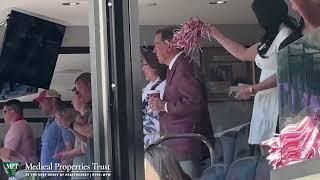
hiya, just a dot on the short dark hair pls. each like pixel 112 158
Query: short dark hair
pixel 167 32
pixel 153 62
pixel 85 77
pixel 16 105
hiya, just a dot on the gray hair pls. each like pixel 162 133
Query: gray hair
pixel 85 77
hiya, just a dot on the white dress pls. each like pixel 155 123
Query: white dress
pixel 151 125
pixel 266 108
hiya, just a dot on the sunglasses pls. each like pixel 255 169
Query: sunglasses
pixel 5 111
pixel 75 91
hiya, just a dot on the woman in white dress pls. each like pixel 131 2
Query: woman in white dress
pixel 272 16
pixel 155 74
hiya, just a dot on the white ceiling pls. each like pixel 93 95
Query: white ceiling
pixel 164 13
pixel 72 15
pixel 177 11
pixel 68 67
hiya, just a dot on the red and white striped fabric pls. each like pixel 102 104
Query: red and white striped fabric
pixel 296 142
pixel 188 37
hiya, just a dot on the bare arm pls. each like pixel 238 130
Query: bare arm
pixel 6 154
pixel 268 83
pixel 80 136
pixel 85 129
pixel 236 49
pixel 69 155
pixel 82 128
pixel 245 92
pixel 68 145
pixel 73 153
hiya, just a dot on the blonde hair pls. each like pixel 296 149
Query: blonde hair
pixel 160 164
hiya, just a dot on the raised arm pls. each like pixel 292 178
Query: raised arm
pixel 6 154
pixel 236 49
pixel 69 155
pixel 84 128
pixel 80 136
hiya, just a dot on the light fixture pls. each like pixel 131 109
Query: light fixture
pixel 109 4
pixel 218 2
pixel 70 3
pixel 152 4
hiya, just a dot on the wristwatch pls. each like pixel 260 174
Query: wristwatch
pixel 251 90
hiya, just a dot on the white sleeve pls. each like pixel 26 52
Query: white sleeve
pixel 282 35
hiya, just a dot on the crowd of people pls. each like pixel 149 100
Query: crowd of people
pixel 181 106
pixel 67 136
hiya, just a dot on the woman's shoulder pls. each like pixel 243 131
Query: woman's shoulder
pixel 284 32
pixel 163 82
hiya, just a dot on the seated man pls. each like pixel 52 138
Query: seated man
pixel 19 142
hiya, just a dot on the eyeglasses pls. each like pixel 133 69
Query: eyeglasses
pixel 75 91
pixel 5 111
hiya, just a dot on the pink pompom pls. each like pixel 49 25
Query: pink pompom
pixel 187 38
pixel 296 143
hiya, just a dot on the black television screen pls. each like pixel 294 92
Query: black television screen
pixel 29 51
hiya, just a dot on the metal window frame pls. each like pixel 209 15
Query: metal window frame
pixel 115 67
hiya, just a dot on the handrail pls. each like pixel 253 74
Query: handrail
pixel 205 140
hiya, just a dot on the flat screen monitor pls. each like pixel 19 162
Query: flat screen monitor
pixel 29 53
